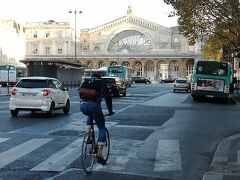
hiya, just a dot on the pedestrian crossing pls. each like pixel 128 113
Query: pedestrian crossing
pixel 21 150
pixel 61 159
pixel 123 152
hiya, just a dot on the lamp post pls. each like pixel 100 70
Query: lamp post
pixel 67 49
pixel 75 19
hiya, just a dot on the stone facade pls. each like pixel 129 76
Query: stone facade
pixel 48 39
pixel 152 50
pixel 12 42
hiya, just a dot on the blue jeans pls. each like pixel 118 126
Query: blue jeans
pixel 93 110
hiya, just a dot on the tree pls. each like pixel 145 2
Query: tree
pixel 210 51
pixel 217 19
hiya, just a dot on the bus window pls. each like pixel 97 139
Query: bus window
pixel 212 68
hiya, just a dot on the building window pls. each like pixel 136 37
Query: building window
pixel 35 51
pixel 85 40
pixel 35 34
pixel 60 51
pixel 35 48
pixel 47 34
pixel 60 34
pixel 96 49
pixel 176 40
pixel 85 49
pixel 47 50
pixel 189 69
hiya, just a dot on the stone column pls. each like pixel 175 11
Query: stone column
pixel 155 70
pixel 143 68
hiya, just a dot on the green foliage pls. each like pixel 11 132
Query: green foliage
pixel 217 19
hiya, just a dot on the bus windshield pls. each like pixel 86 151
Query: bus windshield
pixel 212 68
pixel 112 70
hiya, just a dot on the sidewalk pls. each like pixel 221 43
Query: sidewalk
pixel 235 99
pixel 226 161
pixel 4 91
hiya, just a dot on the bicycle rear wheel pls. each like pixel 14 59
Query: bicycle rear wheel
pixel 106 148
pixel 88 155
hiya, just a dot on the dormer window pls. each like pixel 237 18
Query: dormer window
pixel 47 34
pixel 35 34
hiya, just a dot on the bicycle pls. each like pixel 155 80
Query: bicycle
pixel 90 148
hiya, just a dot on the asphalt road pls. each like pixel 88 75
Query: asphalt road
pixel 155 134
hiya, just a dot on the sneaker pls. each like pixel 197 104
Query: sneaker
pixel 101 160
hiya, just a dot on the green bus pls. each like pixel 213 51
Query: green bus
pixel 123 72
pixel 211 79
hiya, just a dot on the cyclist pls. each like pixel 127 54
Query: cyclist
pixel 91 93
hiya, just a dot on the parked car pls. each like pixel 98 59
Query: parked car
pixel 115 85
pixel 168 80
pixel 181 84
pixel 139 79
pixel 39 94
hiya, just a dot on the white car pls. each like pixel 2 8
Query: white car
pixel 181 84
pixel 39 94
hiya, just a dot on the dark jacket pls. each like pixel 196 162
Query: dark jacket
pixel 101 87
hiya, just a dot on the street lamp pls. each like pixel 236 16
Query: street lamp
pixel 67 49
pixel 75 18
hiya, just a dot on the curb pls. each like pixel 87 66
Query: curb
pixel 4 94
pixel 235 99
pixel 220 160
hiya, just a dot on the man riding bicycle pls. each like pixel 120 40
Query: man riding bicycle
pixel 91 93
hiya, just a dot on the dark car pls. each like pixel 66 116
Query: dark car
pixel 168 80
pixel 140 80
pixel 115 85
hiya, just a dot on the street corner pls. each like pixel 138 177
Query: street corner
pixel 226 160
pixel 235 99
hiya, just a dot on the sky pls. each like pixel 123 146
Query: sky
pixel 94 12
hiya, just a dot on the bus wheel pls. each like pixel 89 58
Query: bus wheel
pixel 14 113
pixel 194 98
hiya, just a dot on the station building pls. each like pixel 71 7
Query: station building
pixel 151 50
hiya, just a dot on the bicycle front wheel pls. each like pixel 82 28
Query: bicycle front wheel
pixel 88 155
pixel 106 148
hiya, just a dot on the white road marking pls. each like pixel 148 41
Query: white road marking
pixel 213 176
pixel 3 139
pixel 50 126
pixel 60 160
pixel 21 150
pixel 5 112
pixel 169 100
pixel 168 157
pixel 123 109
pixel 138 127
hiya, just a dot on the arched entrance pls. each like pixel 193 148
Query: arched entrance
pixel 149 69
pixel 125 63
pixel 162 70
pixel 114 63
pixel 90 64
pixel 101 64
pixel 174 69
pixel 189 67
pixel 137 68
